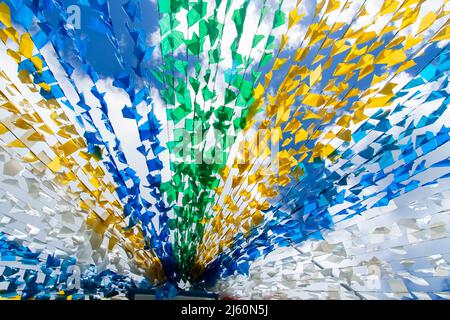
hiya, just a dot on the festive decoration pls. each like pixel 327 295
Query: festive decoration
pixel 179 144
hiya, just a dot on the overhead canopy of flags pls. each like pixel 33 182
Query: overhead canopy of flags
pixel 174 144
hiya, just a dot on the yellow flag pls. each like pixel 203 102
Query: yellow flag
pixel 344 69
pixel 444 34
pixel 301 54
pixel 10 107
pixel 318 58
pixel 16 144
pixel 332 6
pixel 405 66
pixel 315 76
pixel 378 102
pixel 55 165
pixel 26 46
pixel 389 6
pixel 5 14
pixel 345 135
pixel 410 16
pixel 13 54
pixel 301 135
pixel 294 17
pixel 279 62
pixel 313 100
pixel 37 63
pixel 310 115
pixel 284 40
pixel 69 147
pixel 427 21
pixel 390 57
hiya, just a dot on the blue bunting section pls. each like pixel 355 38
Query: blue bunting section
pixel 36 275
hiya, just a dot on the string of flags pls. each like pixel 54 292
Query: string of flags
pixel 201 144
